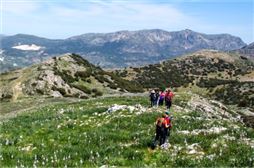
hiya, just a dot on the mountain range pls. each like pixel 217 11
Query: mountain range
pixel 112 50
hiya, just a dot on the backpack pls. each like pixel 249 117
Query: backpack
pixel 168 120
pixel 167 97
pixel 160 122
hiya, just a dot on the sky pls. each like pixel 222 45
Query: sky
pixel 59 19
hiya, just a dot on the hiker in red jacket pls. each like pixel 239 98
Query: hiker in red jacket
pixel 169 123
pixel 161 125
pixel 168 98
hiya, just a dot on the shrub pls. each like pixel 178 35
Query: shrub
pixel 60 90
pixel 243 103
pixel 82 88
pixel 213 82
pixel 65 75
pixel 81 61
pixel 101 78
pixel 89 80
pixel 97 92
pixel 83 74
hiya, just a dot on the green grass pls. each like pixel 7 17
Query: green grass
pixel 83 134
pixel 7 107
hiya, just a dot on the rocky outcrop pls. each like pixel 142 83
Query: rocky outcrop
pixel 66 76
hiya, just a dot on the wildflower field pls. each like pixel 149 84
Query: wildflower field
pixel 94 132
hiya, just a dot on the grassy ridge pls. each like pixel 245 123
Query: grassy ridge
pixel 217 74
pixel 83 134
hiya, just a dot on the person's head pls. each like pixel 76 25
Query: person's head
pixel 152 91
pixel 164 115
pixel 167 113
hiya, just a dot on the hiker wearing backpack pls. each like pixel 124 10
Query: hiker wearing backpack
pixel 168 98
pixel 161 125
pixel 161 98
pixel 169 124
pixel 152 98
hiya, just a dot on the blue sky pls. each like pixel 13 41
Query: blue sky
pixel 65 18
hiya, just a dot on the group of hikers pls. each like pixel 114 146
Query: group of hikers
pixel 157 98
pixel 163 123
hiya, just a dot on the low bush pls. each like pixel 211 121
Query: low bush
pixel 82 88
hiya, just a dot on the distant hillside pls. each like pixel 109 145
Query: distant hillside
pixel 223 76
pixel 68 76
pixel 112 50
pixel 247 50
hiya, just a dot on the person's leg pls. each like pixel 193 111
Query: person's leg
pixel 161 140
pixel 166 135
pixel 161 102
pixel 169 104
pixel 155 103
pixel 157 136
pixel 162 137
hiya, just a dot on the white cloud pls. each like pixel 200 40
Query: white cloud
pixel 20 7
pixel 61 19
pixel 138 15
pixel 76 13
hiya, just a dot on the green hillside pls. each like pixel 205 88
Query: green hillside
pixel 223 76
pixel 205 133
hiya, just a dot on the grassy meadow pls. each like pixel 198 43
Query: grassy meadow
pixel 85 134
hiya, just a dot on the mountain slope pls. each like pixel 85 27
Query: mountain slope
pixel 224 76
pixel 247 50
pixel 110 50
pixel 69 76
